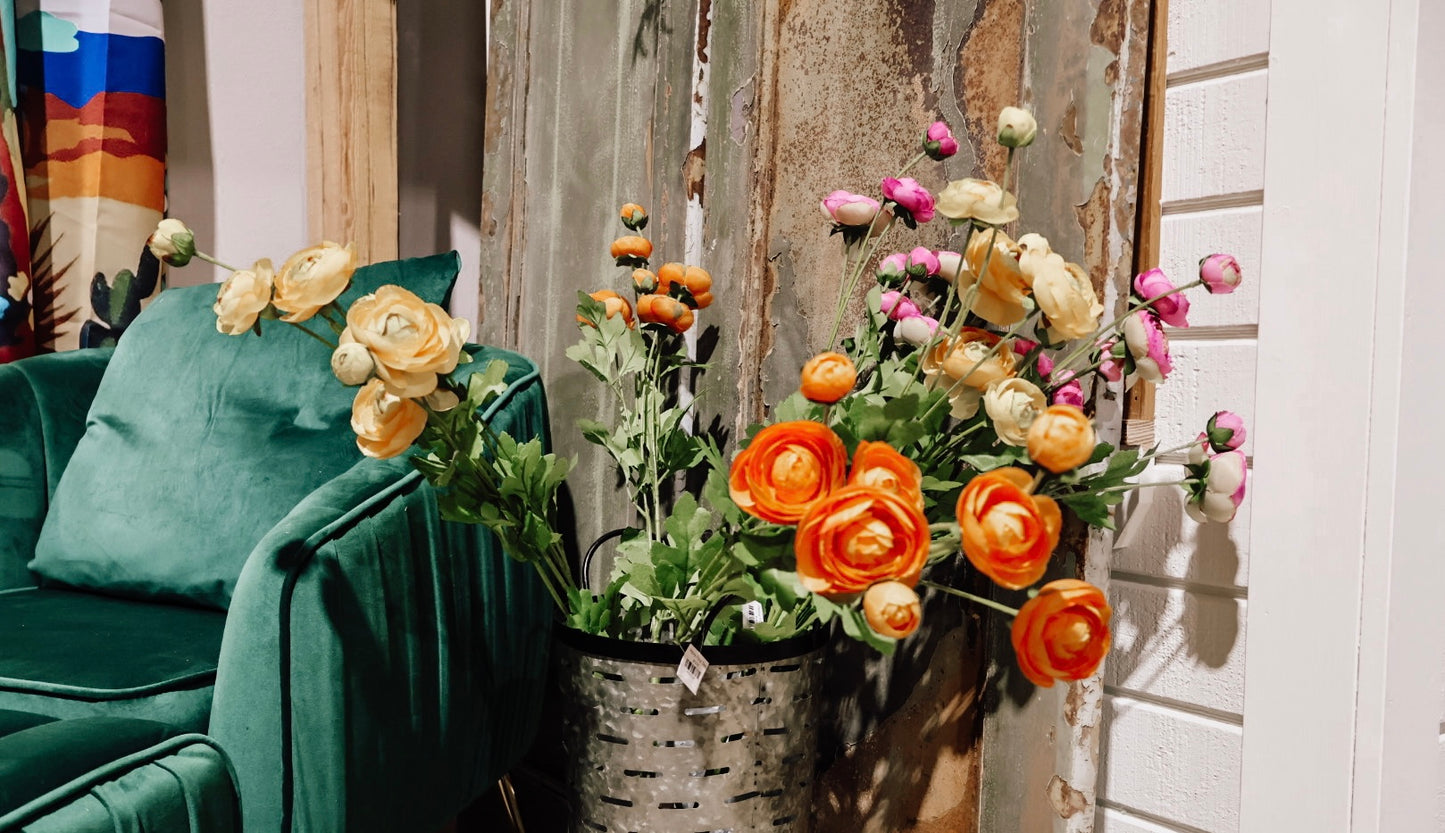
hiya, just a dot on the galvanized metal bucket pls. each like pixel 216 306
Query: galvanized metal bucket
pixel 645 755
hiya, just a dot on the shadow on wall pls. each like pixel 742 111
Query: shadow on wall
pixel 441 111
pixel 190 179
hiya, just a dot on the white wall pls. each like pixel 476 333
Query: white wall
pixel 236 117
pixel 1175 680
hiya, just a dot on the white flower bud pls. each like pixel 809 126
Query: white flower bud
pixel 1016 127
pixel 352 363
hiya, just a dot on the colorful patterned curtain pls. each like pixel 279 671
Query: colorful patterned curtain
pixel 91 102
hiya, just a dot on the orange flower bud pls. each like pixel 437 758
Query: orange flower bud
pixel 892 609
pixel 1008 534
pixel 856 536
pixel 631 250
pixel 880 466
pixel 1062 633
pixel 827 377
pixel 633 215
pixel 614 303
pixel 644 280
pixel 786 467
pixel 1061 438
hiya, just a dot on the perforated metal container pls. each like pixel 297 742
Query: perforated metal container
pixel 645 755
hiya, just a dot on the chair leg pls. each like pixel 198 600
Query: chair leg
pixel 509 801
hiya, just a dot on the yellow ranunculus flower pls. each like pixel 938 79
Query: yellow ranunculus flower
pixel 976 199
pixel 313 278
pixel 1013 405
pixel 385 424
pixel 242 298
pixel 964 368
pixel 1001 287
pixel 1066 296
pixel 412 341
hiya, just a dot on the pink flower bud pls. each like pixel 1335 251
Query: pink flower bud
pixel 938 141
pixel 1148 345
pixel 916 330
pixel 897 305
pixel 892 270
pixel 922 262
pixel 1225 431
pixel 1070 393
pixel 1220 273
pixel 1222 491
pixel 848 209
pixel 911 197
pixel 1174 308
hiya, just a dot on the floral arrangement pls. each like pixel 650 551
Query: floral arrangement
pixel 953 420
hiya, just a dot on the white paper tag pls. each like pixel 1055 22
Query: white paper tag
pixel 752 615
pixel 691 669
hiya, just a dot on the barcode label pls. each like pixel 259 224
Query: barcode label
pixel 691 669
pixel 752 614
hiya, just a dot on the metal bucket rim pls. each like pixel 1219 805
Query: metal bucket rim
pixel 661 653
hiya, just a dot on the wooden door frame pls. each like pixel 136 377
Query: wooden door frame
pixel 351 146
pixel 1343 673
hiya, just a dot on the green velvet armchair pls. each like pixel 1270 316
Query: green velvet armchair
pixel 188 535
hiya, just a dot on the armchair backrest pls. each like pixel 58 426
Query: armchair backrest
pixel 197 443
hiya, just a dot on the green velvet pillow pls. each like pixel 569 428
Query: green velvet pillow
pixel 197 443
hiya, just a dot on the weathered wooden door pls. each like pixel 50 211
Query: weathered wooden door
pixel 729 121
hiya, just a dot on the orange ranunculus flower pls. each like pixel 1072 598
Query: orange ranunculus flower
pixel 857 536
pixel 1008 533
pixel 385 424
pixel 1062 633
pixel 787 467
pixel 695 278
pixel 892 609
pixel 632 247
pixel 880 466
pixel 1061 438
pixel 614 303
pixel 669 274
pixel 827 377
pixel 660 309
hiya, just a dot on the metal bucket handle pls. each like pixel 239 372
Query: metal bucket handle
pixel 585 580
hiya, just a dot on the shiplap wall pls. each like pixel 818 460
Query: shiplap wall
pixel 1175 681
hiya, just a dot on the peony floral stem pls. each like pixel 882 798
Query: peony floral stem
pixel 953 591
pixel 1092 340
pixel 918 157
pixel 207 258
pixel 850 284
pixel 329 345
pixel 1129 487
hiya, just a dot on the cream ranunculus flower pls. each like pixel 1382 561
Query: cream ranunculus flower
pixel 242 297
pixel 313 278
pixel 385 424
pixel 352 363
pixel 441 400
pixel 1016 127
pixel 966 366
pixel 1002 288
pixel 172 242
pixel 1066 296
pixel 976 199
pixel 411 340
pixel 1013 405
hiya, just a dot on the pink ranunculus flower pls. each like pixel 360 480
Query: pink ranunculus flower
pixel 1042 361
pixel 1174 309
pixel 848 209
pixel 916 330
pixel 1071 392
pixel 1110 368
pixel 1148 345
pixel 922 262
pixel 1220 273
pixel 1219 496
pixel 1225 431
pixel 893 269
pixel 938 141
pixel 910 196
pixel 897 305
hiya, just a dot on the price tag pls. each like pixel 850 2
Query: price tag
pixel 691 669
pixel 752 615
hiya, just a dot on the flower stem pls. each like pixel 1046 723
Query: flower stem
pixel 207 258
pixel 328 344
pixel 993 351
pixel 851 283
pixel 953 591
pixel 918 157
pixel 1129 487
pixel 1090 342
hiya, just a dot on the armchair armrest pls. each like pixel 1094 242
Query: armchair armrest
pixel 46 399
pixel 392 661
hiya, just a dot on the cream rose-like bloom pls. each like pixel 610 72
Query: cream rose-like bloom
pixel 1067 298
pixel 242 297
pixel 352 363
pixel 385 424
pixel 965 366
pixel 412 341
pixel 1013 405
pixel 976 199
pixel 313 278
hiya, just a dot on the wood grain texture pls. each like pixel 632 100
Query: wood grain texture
pixel 351 131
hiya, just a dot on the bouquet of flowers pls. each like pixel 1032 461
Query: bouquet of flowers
pixel 953 421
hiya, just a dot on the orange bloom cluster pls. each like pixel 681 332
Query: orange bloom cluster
pixel 667 297
pixel 1008 533
pixel 861 532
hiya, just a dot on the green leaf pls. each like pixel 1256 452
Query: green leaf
pixel 1093 509
pixel 856 626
